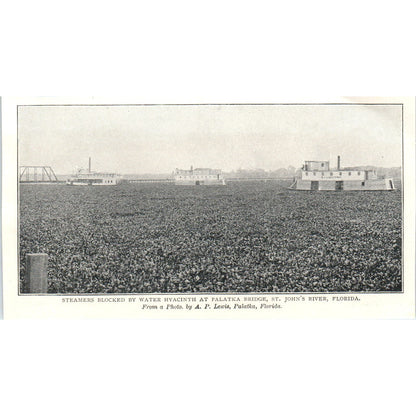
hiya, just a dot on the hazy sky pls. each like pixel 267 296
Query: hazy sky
pixel 158 139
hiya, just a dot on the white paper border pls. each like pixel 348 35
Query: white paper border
pixel 372 305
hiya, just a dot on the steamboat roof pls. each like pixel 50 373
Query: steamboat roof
pixel 323 166
pixel 196 171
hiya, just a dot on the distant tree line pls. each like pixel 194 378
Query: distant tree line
pixel 291 171
pixel 281 173
pixel 288 172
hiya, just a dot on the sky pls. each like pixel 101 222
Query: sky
pixel 154 139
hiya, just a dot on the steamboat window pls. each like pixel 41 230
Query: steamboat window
pixel 349 173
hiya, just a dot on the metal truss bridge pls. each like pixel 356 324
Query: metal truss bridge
pixel 37 174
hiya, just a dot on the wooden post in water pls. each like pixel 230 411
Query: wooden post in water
pixel 36 273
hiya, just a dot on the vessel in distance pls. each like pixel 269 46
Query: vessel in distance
pixel 318 176
pixel 198 176
pixel 85 177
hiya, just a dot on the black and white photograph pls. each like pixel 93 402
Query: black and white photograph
pixel 286 198
pixel 208 208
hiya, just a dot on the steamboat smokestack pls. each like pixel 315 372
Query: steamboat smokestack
pixel 89 164
pixel 339 163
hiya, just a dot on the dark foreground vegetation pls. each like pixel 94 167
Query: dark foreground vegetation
pixel 243 237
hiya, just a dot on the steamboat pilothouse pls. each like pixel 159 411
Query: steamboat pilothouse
pixel 85 177
pixel 317 176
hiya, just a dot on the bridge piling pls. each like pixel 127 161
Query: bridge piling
pixel 36 279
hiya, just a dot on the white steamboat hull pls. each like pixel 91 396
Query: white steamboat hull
pixel 206 182
pixel 326 185
pixel 75 183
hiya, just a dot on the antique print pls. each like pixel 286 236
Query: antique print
pixel 186 210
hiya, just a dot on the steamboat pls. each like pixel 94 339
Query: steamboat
pixel 86 177
pixel 198 176
pixel 317 176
